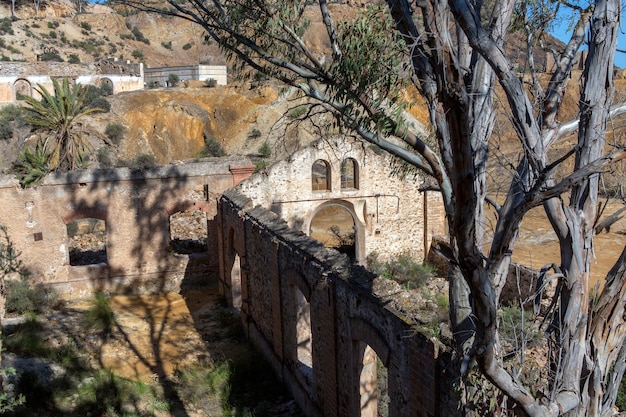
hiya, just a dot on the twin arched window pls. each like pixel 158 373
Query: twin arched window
pixel 321 175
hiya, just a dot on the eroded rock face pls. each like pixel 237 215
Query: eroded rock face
pixel 172 124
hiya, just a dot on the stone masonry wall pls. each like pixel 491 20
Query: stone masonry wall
pixel 135 205
pixel 264 262
pixel 23 77
pixel 391 214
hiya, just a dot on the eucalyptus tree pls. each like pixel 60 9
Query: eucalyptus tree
pixel 57 114
pixel 452 52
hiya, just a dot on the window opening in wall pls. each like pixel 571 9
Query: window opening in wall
pixel 303 333
pixel 235 282
pixel 334 227
pixel 320 175
pixel 188 232
pixel 373 384
pixel 349 174
pixel 22 89
pixel 87 241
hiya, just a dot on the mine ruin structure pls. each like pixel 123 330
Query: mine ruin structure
pixel 338 187
pixel 312 310
pixel 123 220
pixel 315 317
pixel 19 79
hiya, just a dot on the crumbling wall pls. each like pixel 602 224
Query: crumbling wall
pixel 391 212
pixel 345 315
pixel 23 77
pixel 136 206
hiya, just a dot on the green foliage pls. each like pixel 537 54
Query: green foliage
pixel 8 400
pixel 265 150
pixel 187 46
pixel 86 26
pixel 210 82
pixel 57 114
pixel 32 166
pixel 6 130
pixel 52 34
pixel 35 25
pixel 254 134
pixel 212 147
pixel 140 162
pixel 516 327
pixel 204 380
pixel 11 117
pixel 167 45
pixel 139 36
pixel 73 59
pixel 115 132
pixel 402 269
pixel 105 160
pixel 173 80
pixel 53 25
pixel 24 297
pixel 297 111
pixel 5 26
pixel 137 54
pixel 51 56
pixel 100 315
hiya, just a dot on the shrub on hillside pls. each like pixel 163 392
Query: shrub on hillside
pixel 23 297
pixel 212 147
pixel 5 26
pixel 401 268
pixel 139 36
pixel 51 57
pixel 173 80
pixel 115 132
pixel 73 59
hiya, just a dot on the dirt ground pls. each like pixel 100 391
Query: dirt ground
pixel 156 334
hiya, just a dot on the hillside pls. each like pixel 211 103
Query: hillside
pixel 174 123
pixel 101 32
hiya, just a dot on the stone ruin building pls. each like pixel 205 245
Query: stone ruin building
pixel 20 78
pixel 312 310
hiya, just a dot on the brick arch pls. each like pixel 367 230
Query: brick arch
pixel 84 213
pixel 363 331
pixel 296 279
pixel 359 233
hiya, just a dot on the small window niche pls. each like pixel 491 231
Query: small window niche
pixel 87 241
pixel 188 232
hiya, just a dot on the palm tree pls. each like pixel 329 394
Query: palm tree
pixel 58 114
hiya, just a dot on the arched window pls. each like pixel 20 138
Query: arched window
pixel 320 175
pixel 349 174
pixel 22 89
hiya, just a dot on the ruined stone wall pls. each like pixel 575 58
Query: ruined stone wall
pixel 160 76
pixel 136 206
pixel 391 214
pixel 264 262
pixel 22 77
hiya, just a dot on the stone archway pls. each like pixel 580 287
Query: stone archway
pixel 106 85
pixel 336 225
pixel 22 88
